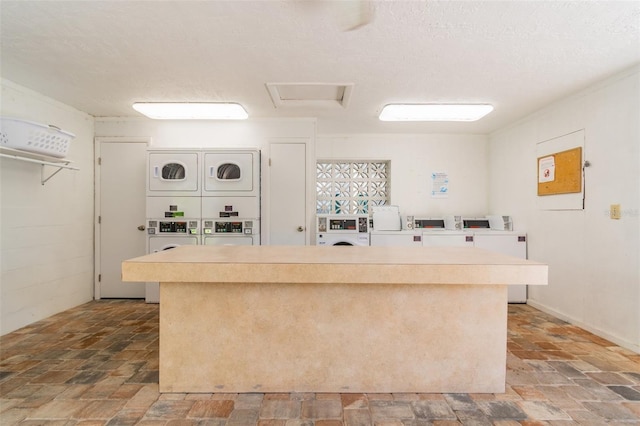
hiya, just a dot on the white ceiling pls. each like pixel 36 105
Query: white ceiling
pixel 101 56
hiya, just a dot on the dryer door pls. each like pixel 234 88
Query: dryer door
pixel 173 173
pixel 228 173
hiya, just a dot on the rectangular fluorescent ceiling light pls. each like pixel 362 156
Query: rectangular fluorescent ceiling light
pixel 322 95
pixel 191 110
pixel 434 112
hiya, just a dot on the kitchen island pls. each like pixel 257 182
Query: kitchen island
pixel 333 319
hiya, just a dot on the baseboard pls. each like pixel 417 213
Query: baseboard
pixel 618 341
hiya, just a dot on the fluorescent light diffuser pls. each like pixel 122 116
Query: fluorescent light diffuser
pixel 434 112
pixel 191 110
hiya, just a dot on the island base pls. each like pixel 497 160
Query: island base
pixel 364 338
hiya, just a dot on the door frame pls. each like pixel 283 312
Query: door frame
pixel 98 140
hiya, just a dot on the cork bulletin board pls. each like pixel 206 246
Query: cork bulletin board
pixel 560 172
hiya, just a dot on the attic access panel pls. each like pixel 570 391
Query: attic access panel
pixel 322 95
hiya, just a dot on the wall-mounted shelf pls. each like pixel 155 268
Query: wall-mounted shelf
pixel 43 160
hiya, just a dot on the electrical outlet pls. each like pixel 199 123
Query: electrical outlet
pixel 614 212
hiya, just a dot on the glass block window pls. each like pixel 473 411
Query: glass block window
pixel 351 187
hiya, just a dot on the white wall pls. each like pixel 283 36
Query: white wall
pixel 413 159
pixel 46 232
pixel 594 261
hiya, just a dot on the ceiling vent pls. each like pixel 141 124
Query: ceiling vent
pixel 318 95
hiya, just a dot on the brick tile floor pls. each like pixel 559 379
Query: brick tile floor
pixel 97 364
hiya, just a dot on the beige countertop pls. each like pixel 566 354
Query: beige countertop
pixel 339 264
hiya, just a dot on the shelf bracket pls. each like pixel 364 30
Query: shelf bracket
pixel 44 180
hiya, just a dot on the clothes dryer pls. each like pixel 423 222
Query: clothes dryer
pixel 231 172
pixel 173 173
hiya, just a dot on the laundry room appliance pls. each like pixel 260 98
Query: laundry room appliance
pixel 401 238
pixel 173 207
pixel 342 230
pixel 173 173
pixel 386 218
pixel 241 211
pixel 387 229
pixel 231 232
pixel 172 221
pixel 231 197
pixel 231 172
pixel 166 234
pixel 443 232
pixel 496 233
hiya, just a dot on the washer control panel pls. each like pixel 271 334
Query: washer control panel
pixel 173 227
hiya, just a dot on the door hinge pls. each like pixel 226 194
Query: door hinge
pixel 269 162
pixel 99 278
pixel 99 219
pixel 99 161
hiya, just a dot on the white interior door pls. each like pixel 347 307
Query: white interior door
pixel 121 210
pixel 287 194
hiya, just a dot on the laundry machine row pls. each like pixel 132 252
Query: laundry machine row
pixel 493 233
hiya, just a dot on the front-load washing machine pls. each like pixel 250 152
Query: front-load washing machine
pixel 494 233
pixel 166 234
pixel 342 230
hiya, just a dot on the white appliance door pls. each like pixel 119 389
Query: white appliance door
pixel 229 241
pixel 230 172
pixel 173 172
pixel 438 240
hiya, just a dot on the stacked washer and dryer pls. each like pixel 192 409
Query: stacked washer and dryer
pixel 196 197
pixel 231 197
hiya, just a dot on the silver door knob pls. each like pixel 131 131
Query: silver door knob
pixel 300 229
pixel 141 228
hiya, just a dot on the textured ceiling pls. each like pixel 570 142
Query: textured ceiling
pixel 101 56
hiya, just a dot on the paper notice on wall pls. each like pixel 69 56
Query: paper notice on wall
pixel 439 185
pixel 546 169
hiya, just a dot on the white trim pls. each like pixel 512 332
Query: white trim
pixel 598 332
